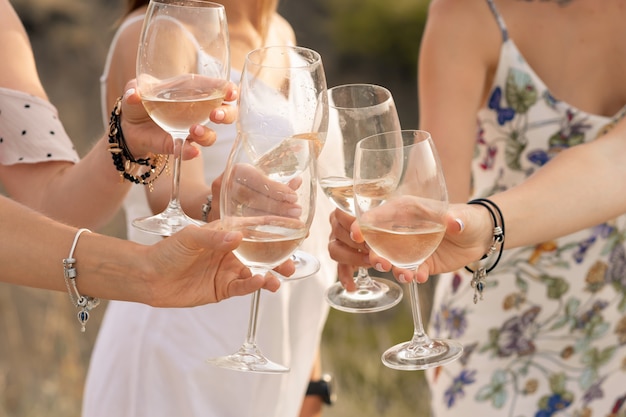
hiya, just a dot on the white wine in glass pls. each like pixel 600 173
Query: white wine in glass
pixel 355 111
pixel 271 201
pixel 283 92
pixel 183 67
pixel 401 200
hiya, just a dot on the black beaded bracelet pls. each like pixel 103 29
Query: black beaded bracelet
pixel 139 171
pixel 480 273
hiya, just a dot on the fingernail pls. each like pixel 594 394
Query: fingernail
pixel 219 115
pixel 402 278
pixel 379 267
pixel 129 93
pixel 351 236
pixel 230 236
pixel 289 197
pixel 199 130
pixel 294 212
pixel 460 223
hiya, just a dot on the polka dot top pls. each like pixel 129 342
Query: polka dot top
pixel 30 130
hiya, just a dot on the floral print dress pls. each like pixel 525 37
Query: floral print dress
pixel 549 337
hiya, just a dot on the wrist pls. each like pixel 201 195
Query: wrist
pixel 322 388
pixel 137 150
pixel 492 256
pixel 486 235
pixel 139 167
pixel 479 226
pixel 107 275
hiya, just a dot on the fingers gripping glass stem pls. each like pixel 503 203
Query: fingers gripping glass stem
pixel 355 112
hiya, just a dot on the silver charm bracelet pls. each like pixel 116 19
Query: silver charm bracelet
pixel 84 303
pixel 206 208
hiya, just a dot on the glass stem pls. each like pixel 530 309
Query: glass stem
pixel 419 335
pixel 363 278
pixel 174 203
pixel 254 311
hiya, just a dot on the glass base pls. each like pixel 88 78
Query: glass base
pixel 248 359
pixel 409 356
pixel 166 223
pixel 379 295
pixel 306 265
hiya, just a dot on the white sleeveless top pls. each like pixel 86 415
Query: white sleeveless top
pixel 150 362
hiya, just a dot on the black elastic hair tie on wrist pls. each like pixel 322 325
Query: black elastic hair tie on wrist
pixel 480 273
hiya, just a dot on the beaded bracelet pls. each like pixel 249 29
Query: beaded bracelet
pixel 480 273
pixel 130 168
pixel 84 303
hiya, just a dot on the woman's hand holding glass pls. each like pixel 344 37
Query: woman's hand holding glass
pixel 255 194
pixel 355 111
pixel 144 136
pixel 201 268
pixel 467 238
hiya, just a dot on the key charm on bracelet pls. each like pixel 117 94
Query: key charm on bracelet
pixel 478 283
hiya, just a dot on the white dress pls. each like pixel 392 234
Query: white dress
pixel 151 361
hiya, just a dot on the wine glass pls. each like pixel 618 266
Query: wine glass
pixel 400 201
pixel 355 111
pixel 268 194
pixel 183 67
pixel 283 92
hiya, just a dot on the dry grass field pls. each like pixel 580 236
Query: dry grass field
pixel 44 357
pixel 43 354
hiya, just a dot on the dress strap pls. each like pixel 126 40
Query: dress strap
pixel 500 20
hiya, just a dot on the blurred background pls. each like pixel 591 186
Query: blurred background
pixel 43 354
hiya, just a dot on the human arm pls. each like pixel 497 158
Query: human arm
pixel 193 267
pixel 580 187
pixel 87 193
pixel 458 54
pixel 312 404
pixel 120 68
